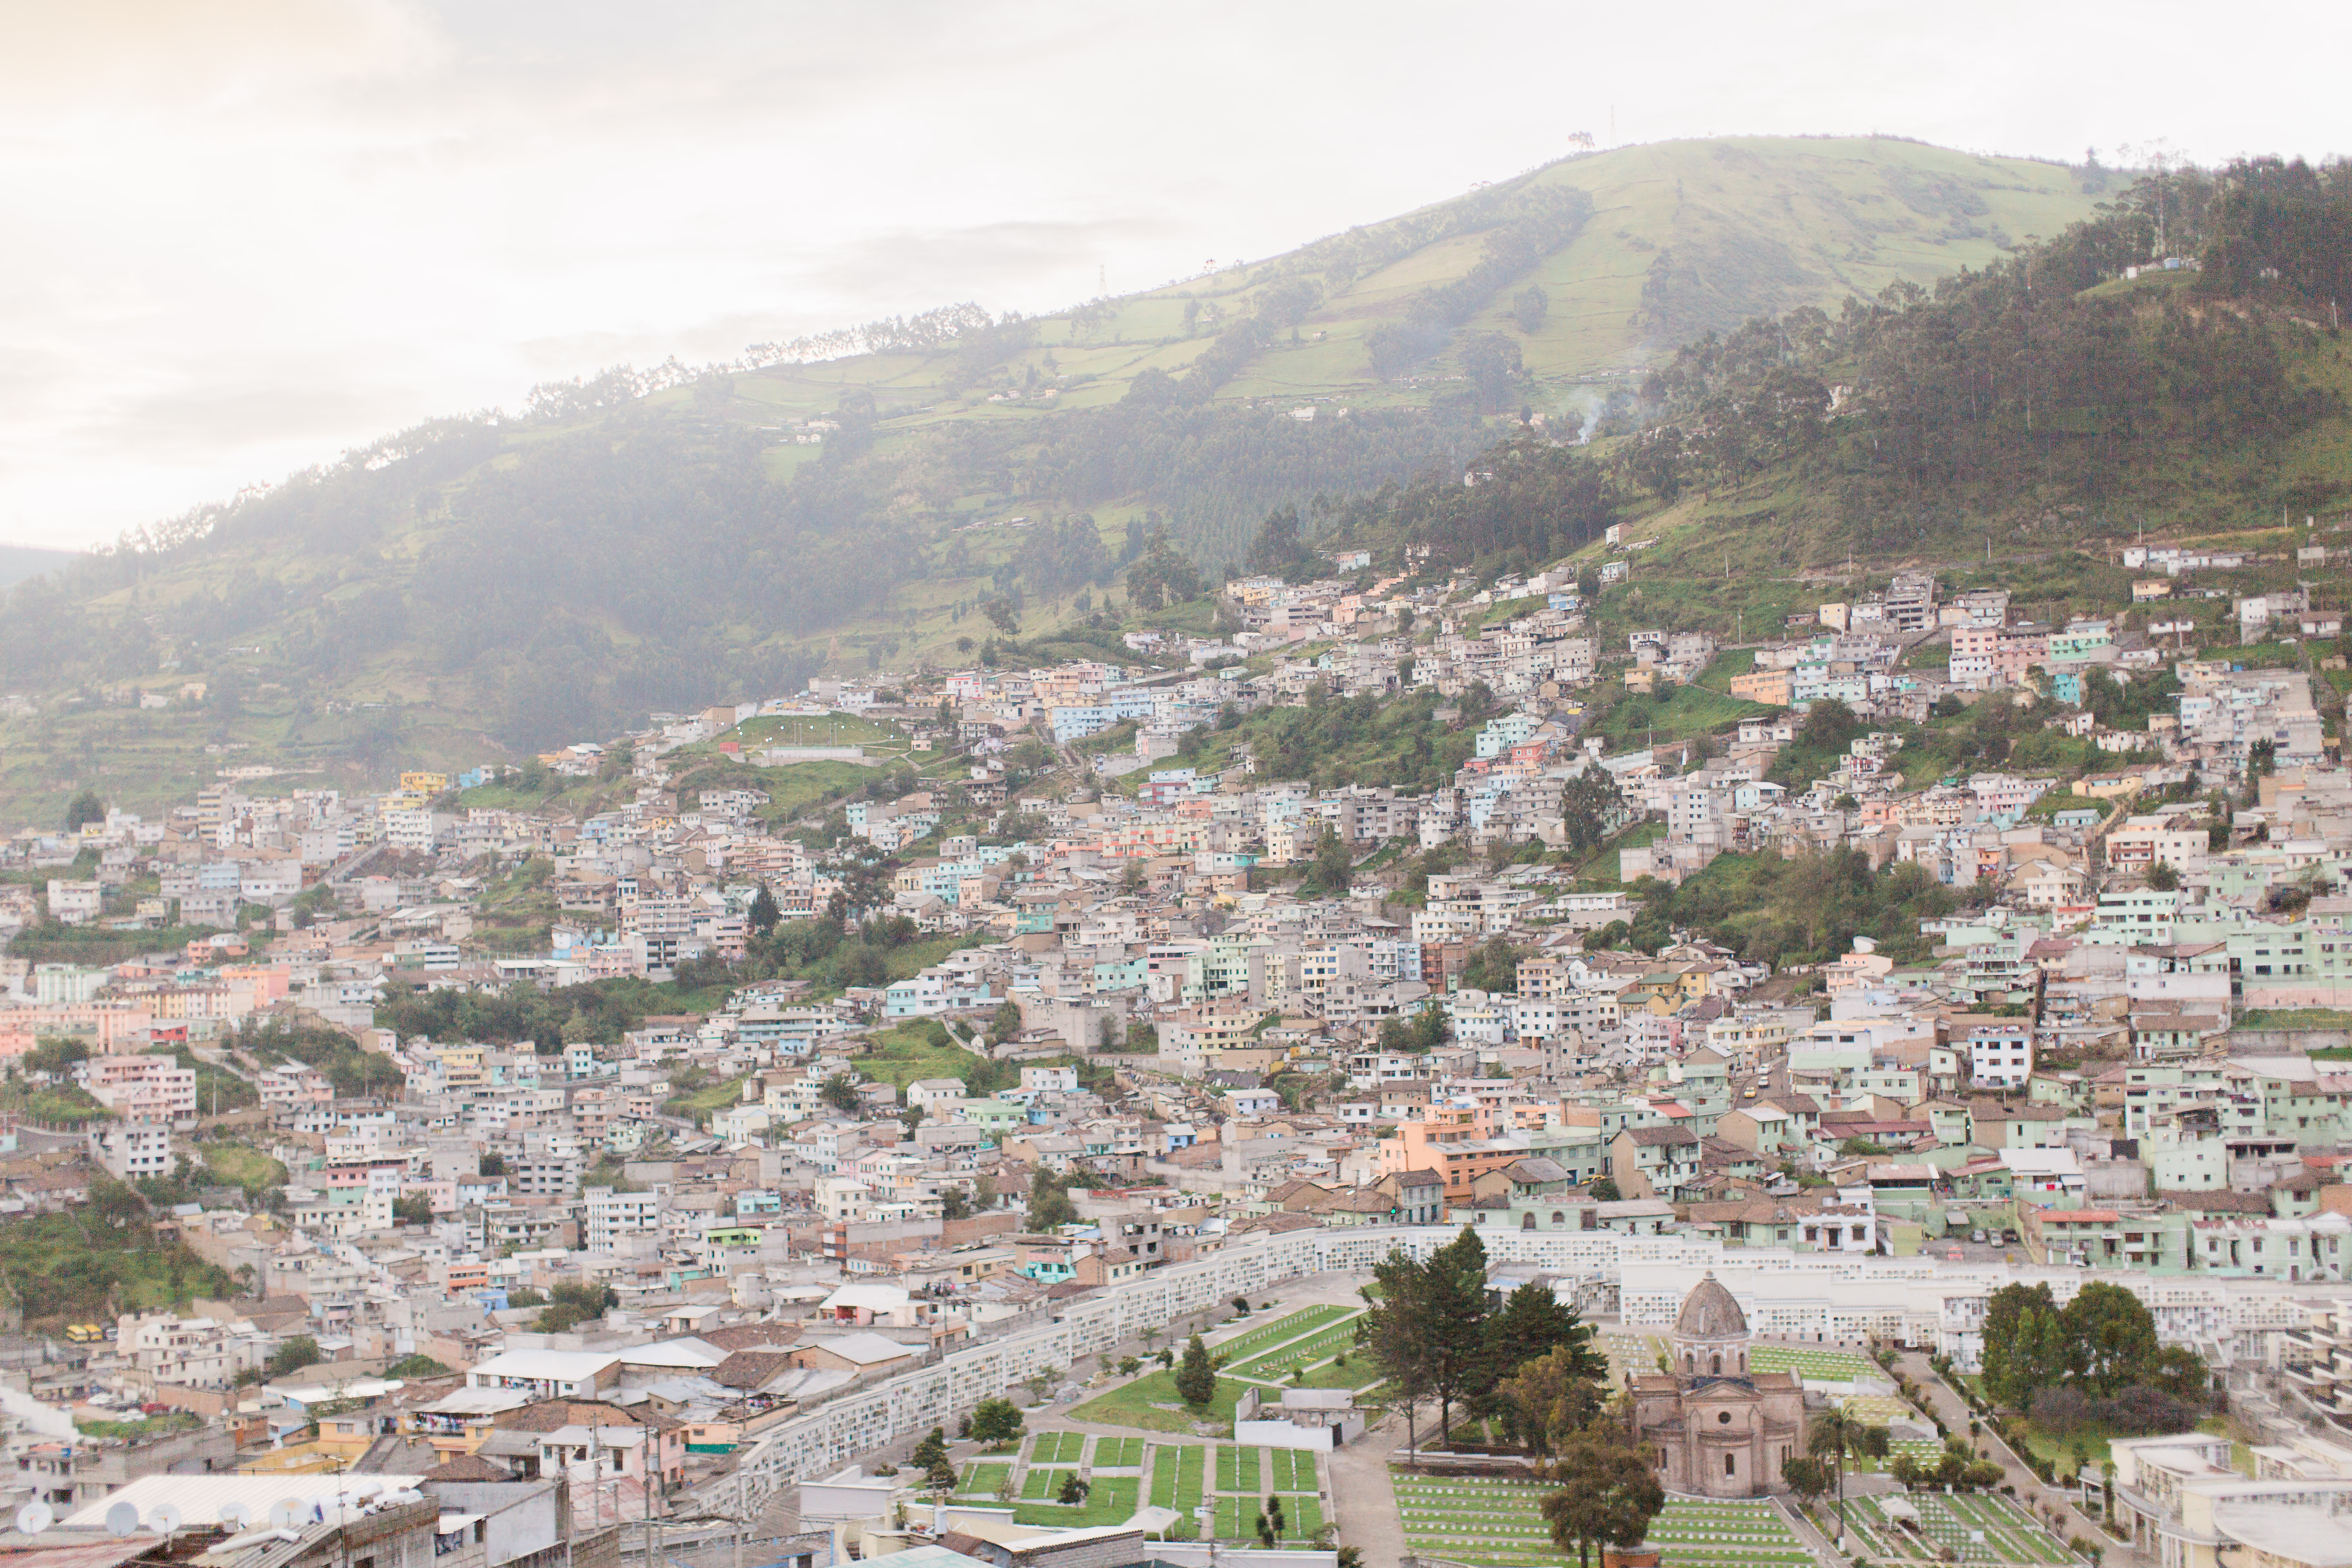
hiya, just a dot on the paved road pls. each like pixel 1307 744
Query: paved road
pixel 2031 1492
pixel 1363 1500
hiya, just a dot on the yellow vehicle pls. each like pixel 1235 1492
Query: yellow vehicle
pixel 1746 1094
pixel 84 1333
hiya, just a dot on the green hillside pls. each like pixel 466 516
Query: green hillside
pixel 1682 237
pixel 479 588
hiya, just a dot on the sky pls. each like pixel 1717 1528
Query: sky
pixel 245 237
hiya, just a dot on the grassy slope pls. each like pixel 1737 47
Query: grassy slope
pixel 1766 222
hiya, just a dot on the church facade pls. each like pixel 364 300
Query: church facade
pixel 1711 1426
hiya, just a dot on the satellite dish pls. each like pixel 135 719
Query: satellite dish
pixel 235 1515
pixel 34 1518
pixel 291 1513
pixel 164 1518
pixel 122 1519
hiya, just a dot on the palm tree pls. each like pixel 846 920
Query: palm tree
pixel 1833 1435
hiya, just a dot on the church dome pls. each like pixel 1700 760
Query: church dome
pixel 1711 1314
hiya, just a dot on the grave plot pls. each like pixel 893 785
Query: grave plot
pixel 1495 1521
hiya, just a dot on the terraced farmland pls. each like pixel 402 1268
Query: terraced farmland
pixel 1491 1521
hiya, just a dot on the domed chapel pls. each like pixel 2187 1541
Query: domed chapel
pixel 1711 1426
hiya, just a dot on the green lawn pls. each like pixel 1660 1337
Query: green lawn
pixel 1111 1500
pixel 1237 1471
pixel 984 1479
pixel 1266 1336
pixel 1829 1366
pixel 1138 1404
pixel 1044 1485
pixel 1497 1522
pixel 700 1105
pixel 2010 1535
pixel 242 1164
pixel 1057 1449
pixel 1294 1471
pixel 1178 1473
pixel 1271 1363
pixel 1118 1453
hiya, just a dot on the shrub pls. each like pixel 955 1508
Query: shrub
pixel 2060 1411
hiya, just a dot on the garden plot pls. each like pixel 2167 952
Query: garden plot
pixel 2010 1535
pixel 1237 1471
pixel 1118 1453
pixel 1178 1476
pixel 1495 1521
pixel 1294 1471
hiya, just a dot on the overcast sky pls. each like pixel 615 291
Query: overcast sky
pixel 244 236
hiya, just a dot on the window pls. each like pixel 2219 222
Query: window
pixel 1723 1417
pixel 1731 1464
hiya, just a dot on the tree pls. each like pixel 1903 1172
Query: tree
pixel 1074 1490
pixel 1050 1207
pixel 1603 1190
pixel 1550 1399
pixel 837 1091
pixel 940 1475
pixel 1001 616
pixel 1395 1332
pixel 2162 877
pixel 409 1366
pixel 2111 1337
pixel 1196 1378
pixel 931 1449
pixel 55 1054
pixel 1005 1022
pixel 1530 305
pixel 85 806
pixel 764 914
pixel 412 1208
pixel 1534 1324
pixel 1607 1493
pixel 1807 1477
pixel 1833 1435
pixel 2013 1364
pixel 1454 1297
pixel 491 1165
pixel 296 1354
pixel 955 1205
pixel 996 1421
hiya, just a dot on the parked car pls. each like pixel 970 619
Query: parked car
pixel 1978 1237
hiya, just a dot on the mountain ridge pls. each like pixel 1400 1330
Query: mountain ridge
pixel 475 587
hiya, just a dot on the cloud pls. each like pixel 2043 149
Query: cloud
pixel 249 234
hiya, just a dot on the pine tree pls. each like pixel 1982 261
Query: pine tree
pixel 1196 1377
